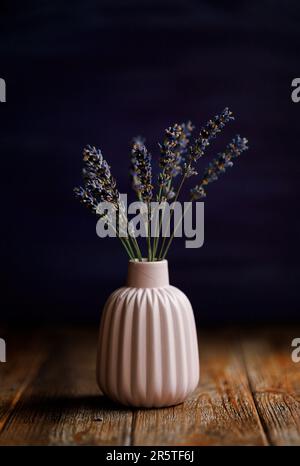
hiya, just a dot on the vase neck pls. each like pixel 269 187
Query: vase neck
pixel 148 274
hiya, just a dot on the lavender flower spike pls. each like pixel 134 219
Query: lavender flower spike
pixel 99 184
pixel 206 135
pixel 219 165
pixel 173 152
pixel 141 170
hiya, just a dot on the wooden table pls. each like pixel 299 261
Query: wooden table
pixel 249 393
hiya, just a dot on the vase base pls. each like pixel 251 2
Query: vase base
pixel 144 406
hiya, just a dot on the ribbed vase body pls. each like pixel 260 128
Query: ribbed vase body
pixel 148 350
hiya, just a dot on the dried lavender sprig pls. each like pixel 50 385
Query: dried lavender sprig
pixel 86 198
pixel 187 129
pixel 174 147
pixel 219 166
pixel 215 168
pixel 135 184
pixel 196 151
pixel 141 170
pixel 206 135
pixel 173 151
pixel 99 186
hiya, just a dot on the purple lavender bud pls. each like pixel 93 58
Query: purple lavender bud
pixel 141 171
pixel 99 185
pixel 173 151
pixel 219 165
pixel 206 135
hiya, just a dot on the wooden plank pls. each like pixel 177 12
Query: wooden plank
pixel 222 410
pixel 48 395
pixel 26 352
pixel 275 382
pixel 62 405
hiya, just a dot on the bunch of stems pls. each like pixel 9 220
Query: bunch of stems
pixel 178 160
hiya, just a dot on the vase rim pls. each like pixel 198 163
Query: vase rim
pixel 145 261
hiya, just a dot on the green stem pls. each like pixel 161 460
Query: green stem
pixel 161 220
pixel 126 246
pixel 137 248
pixel 173 234
pixel 155 239
pixel 149 233
pixel 132 240
pixel 171 215
pixel 125 243
pixel 127 240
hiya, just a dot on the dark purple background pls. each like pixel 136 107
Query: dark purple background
pixel 102 72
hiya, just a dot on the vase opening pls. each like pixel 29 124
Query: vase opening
pixel 145 274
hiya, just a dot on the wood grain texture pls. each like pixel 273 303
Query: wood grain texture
pixel 26 352
pixel 275 383
pixel 249 394
pixel 221 411
pixel 62 405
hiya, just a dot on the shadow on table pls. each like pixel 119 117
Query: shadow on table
pixel 59 406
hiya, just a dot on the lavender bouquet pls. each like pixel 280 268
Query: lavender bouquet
pixel 178 160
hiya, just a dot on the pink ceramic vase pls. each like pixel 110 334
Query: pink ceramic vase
pixel 148 350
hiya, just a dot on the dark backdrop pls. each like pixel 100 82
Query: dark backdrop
pixel 102 72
